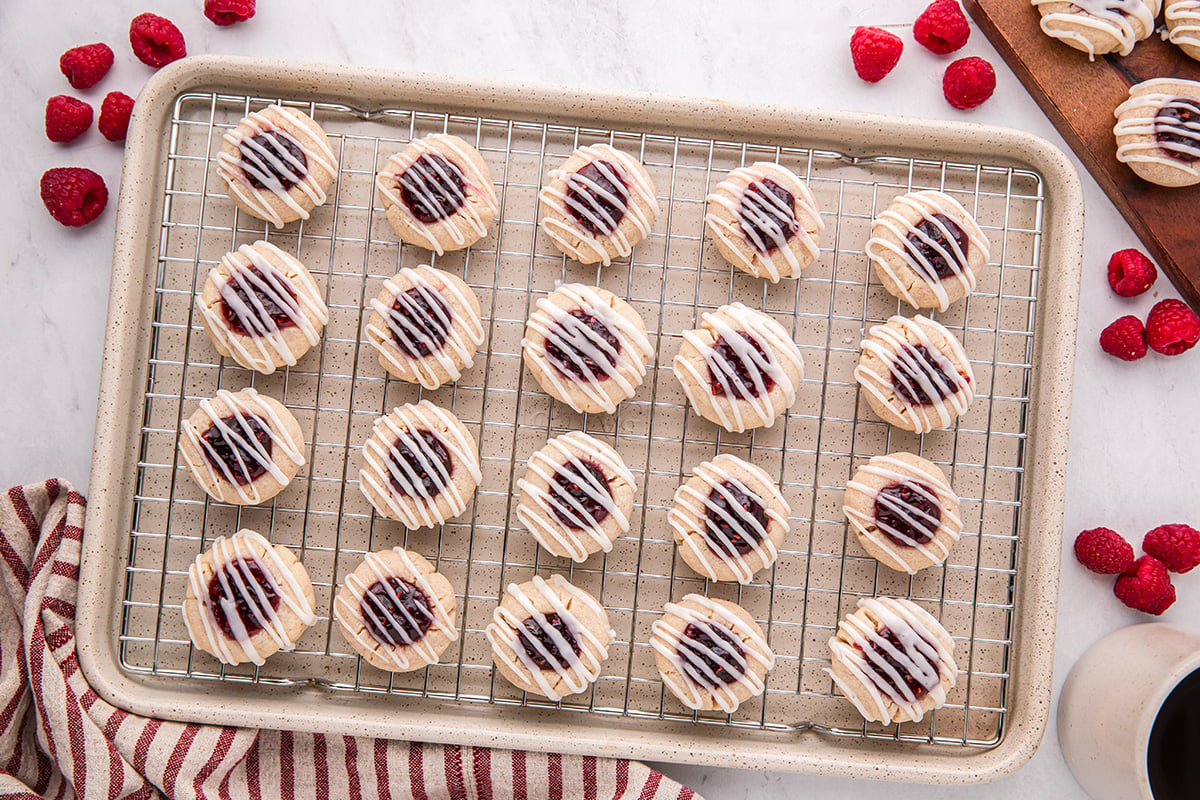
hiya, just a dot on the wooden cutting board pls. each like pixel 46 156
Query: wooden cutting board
pixel 1079 97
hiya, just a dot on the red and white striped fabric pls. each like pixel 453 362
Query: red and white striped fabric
pixel 58 739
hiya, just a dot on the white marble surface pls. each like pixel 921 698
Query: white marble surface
pixel 1134 434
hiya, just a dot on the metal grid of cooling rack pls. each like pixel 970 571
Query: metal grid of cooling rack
pixel 338 390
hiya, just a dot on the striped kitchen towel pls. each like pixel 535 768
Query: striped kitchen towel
pixel 59 739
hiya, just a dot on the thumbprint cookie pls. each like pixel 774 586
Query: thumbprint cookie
pixel 1099 26
pixel 247 599
pixel 242 447
pixel 438 194
pixel 765 221
pixel 277 164
pixel 1183 25
pixel 598 204
pixel 425 326
pixel 1158 131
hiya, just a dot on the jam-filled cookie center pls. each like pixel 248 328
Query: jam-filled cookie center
pixel 583 346
pixel 248 312
pixel 931 248
pixel 419 321
pixel 433 188
pixel 918 377
pixel 580 495
pixel 273 160
pixel 735 521
pixel 738 367
pixel 597 197
pixel 768 215
pixel 907 511
pixel 233 447
pixel 420 464
pixel 395 611
pixel 1177 129
pixel 912 675
pixel 243 587
pixel 538 642
pixel 710 655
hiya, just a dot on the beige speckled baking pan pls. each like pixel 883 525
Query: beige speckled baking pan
pixel 996 594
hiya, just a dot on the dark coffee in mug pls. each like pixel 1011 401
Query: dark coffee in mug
pixel 1173 758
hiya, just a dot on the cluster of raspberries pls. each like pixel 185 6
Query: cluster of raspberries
pixel 942 28
pixel 75 195
pixel 1143 583
pixel 1171 327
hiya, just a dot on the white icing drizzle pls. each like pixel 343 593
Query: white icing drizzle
pixel 641 207
pixel 1148 96
pixel 537 514
pixel 757 207
pixel 404 425
pixel 233 171
pixel 715 473
pixel 477 191
pixel 873 692
pixel 928 204
pixel 776 344
pixel 575 672
pixel 239 551
pixel 400 654
pixel 461 339
pixel 1113 18
pixel 667 639
pixel 894 470
pixel 243 406
pixel 890 344
pixel 570 335
pixel 1183 22
pixel 303 306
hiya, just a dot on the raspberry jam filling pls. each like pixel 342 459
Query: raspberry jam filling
pixel 1177 129
pixel 273 160
pixel 243 461
pixel 597 198
pixel 906 509
pixel 236 583
pixel 264 288
pixel 575 352
pixel 419 322
pixel 929 252
pixel 576 496
pixel 710 655
pixel 423 473
pixel 910 381
pixel 901 678
pixel 732 524
pixel 741 373
pixel 432 188
pixel 395 611
pixel 768 215
pixel 532 634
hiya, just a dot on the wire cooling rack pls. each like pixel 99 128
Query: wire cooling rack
pixel 338 389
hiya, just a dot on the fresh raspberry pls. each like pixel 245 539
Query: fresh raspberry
pixel 875 53
pixel 1172 328
pixel 85 65
pixel 1125 339
pixel 1146 586
pixel 73 195
pixel 1103 550
pixel 155 40
pixel 1177 546
pixel 968 82
pixel 942 27
pixel 227 12
pixel 66 118
pixel 114 116
pixel 1130 273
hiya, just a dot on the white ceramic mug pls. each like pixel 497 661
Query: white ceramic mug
pixel 1110 702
